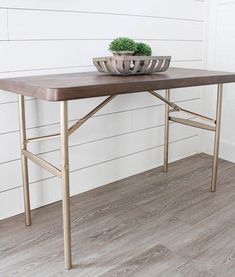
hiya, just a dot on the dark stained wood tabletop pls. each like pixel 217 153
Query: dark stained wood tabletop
pixel 70 86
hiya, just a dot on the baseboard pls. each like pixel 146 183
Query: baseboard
pixel 227 150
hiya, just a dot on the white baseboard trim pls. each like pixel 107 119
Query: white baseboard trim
pixel 227 149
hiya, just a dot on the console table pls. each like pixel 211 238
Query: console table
pixel 66 87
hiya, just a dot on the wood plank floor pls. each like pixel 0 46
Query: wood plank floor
pixel 151 224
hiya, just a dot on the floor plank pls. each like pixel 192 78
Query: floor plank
pixel 150 224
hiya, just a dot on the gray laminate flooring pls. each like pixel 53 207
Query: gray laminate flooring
pixel 151 224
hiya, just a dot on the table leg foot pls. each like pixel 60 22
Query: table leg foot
pixel 28 221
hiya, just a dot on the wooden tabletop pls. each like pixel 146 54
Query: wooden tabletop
pixel 92 84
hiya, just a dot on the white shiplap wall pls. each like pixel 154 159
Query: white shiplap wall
pixel 126 137
pixel 221 56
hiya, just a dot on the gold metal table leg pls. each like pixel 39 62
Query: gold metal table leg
pixel 166 132
pixel 217 137
pixel 65 183
pixel 63 173
pixel 24 160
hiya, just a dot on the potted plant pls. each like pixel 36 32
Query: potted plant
pixel 143 49
pixel 123 46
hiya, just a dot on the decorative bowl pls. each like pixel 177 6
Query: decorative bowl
pixel 132 65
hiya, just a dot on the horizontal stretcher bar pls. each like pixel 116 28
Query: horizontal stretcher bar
pixel 192 123
pixel 43 137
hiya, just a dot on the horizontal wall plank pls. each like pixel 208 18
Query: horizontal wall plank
pixel 225 2
pixel 11 203
pixel 189 64
pixel 191 9
pixel 48 190
pixel 52 70
pixel 32 24
pixel 35 55
pixel 7 97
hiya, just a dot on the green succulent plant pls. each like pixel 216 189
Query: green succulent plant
pixel 143 49
pixel 122 44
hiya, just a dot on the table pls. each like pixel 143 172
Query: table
pixel 66 87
